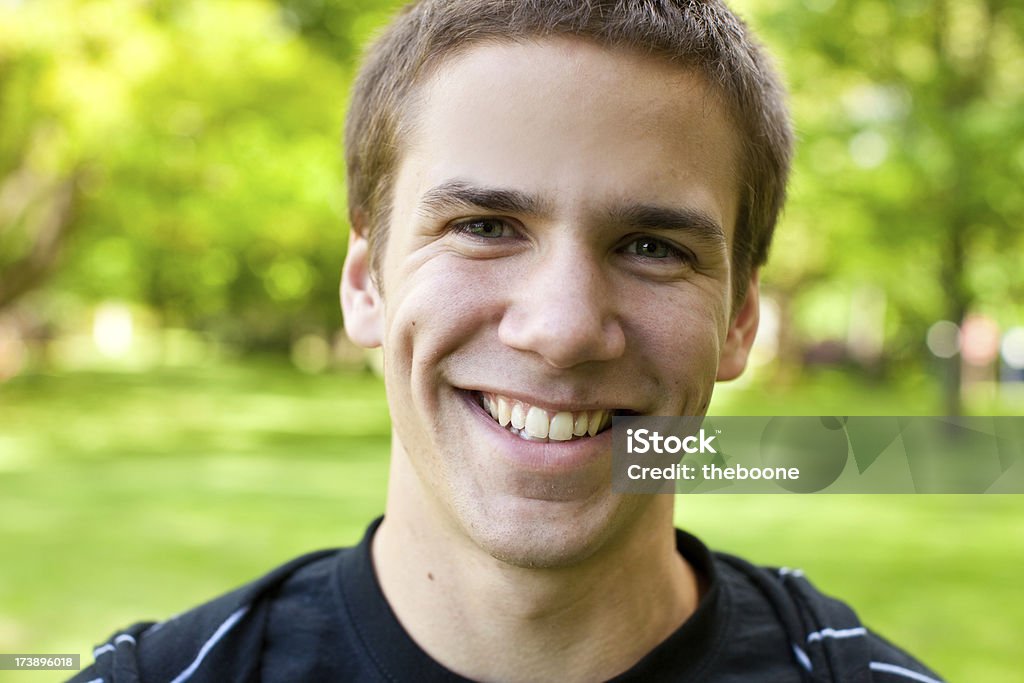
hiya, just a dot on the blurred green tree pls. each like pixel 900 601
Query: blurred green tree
pixel 908 172
pixel 193 146
pixel 185 155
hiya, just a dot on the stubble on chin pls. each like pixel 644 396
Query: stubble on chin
pixel 543 535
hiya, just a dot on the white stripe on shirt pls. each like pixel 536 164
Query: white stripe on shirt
pixel 111 646
pixel 836 633
pixel 900 671
pixel 208 645
pixel 802 657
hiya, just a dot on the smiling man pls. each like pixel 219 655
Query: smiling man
pixel 558 212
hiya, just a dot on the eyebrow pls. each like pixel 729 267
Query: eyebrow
pixel 656 217
pixel 459 194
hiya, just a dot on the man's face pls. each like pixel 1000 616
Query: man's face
pixel 558 251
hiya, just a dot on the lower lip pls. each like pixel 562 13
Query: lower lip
pixel 542 456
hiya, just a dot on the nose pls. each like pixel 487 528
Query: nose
pixel 563 309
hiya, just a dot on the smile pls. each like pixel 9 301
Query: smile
pixel 533 423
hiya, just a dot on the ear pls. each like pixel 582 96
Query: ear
pixel 361 303
pixel 740 336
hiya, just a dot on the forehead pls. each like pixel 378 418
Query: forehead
pixel 574 123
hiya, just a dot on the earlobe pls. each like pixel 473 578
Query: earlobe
pixel 740 337
pixel 361 302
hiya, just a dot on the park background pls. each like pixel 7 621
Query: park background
pixel 180 411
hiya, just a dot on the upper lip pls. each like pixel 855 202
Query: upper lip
pixel 553 405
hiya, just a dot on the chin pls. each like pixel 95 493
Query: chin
pixel 535 534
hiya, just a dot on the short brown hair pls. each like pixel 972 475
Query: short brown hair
pixel 698 34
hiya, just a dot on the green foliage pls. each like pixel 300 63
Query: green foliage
pixel 339 27
pixel 909 157
pixel 201 144
pixel 210 133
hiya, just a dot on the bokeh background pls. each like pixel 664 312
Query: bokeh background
pixel 180 411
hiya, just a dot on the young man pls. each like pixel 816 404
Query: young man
pixel 558 211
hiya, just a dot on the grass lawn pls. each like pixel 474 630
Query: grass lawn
pixel 131 496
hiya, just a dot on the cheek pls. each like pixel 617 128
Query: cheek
pixel 443 305
pixel 679 334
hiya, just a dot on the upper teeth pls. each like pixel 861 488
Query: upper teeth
pixel 538 423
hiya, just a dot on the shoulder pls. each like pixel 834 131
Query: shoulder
pixel 827 637
pixel 219 640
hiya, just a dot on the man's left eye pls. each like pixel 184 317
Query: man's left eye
pixel 652 247
pixel 487 228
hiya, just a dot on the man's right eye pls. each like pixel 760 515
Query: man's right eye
pixel 486 228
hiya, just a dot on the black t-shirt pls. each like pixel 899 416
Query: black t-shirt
pixel 323 617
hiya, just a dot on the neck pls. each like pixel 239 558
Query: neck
pixel 486 619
